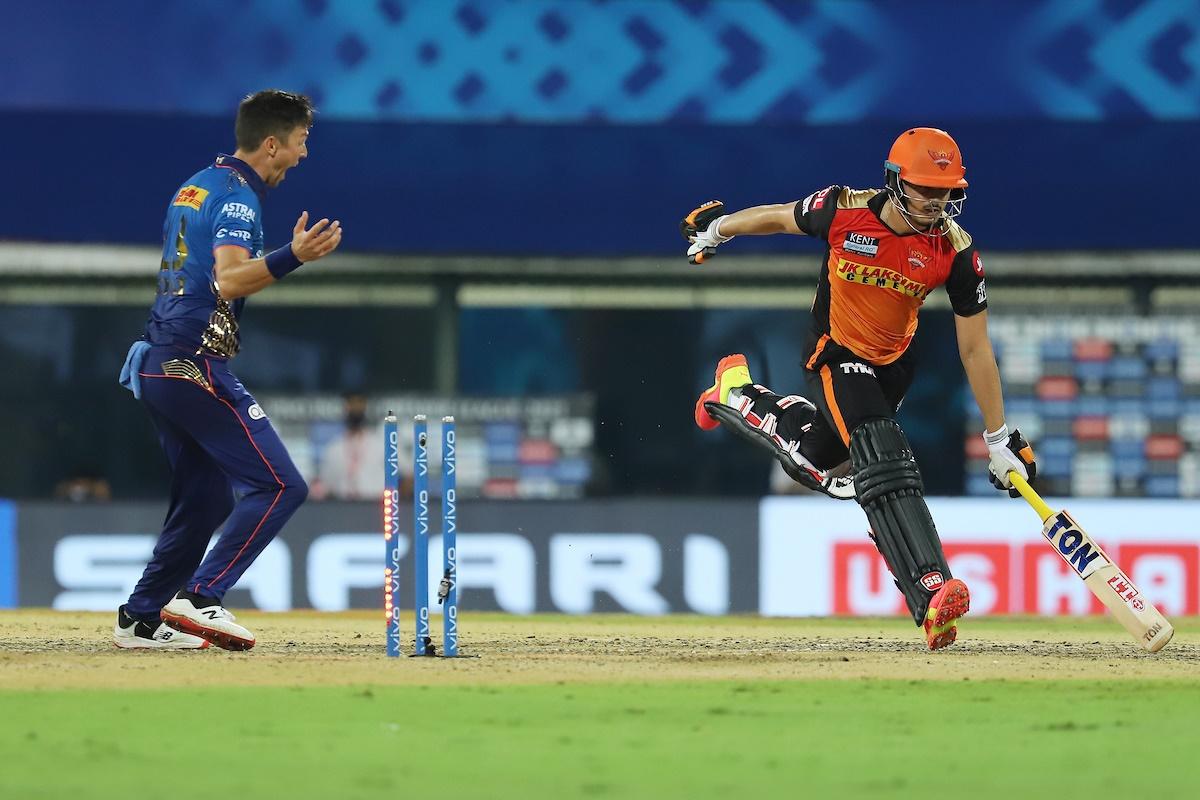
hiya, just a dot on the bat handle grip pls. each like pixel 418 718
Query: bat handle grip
pixel 1039 505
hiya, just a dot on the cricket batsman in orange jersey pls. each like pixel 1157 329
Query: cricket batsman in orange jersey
pixel 886 251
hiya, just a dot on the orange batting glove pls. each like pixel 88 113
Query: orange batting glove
pixel 702 229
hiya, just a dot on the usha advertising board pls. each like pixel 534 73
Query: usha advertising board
pixel 816 560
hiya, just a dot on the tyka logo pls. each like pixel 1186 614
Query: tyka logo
pixel 855 366
pixel 1080 553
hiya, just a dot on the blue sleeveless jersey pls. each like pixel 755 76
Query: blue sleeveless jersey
pixel 218 206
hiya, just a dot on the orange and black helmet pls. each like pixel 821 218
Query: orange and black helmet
pixel 927 157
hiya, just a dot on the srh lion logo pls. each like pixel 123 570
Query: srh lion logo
pixel 941 157
pixel 918 259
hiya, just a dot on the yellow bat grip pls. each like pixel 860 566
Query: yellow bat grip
pixel 1039 505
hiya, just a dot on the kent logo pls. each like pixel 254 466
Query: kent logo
pixel 861 244
pixel 1073 545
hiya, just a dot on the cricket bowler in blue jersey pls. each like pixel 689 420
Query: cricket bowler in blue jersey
pixel 227 462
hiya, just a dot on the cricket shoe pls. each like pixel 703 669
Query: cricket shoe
pixel 208 619
pixel 134 634
pixel 732 372
pixel 950 603
pixel 760 431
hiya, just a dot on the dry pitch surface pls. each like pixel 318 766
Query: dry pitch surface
pixel 42 649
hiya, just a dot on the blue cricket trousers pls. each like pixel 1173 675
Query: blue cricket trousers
pixel 218 441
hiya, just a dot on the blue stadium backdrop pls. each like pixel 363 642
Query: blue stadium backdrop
pixel 549 121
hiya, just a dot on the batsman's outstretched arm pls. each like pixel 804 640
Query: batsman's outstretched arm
pixel 761 220
pixel 708 226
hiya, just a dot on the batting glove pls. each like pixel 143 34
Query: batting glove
pixel 702 228
pixel 1009 453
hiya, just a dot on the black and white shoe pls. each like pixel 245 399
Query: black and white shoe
pixel 742 421
pixel 134 634
pixel 208 619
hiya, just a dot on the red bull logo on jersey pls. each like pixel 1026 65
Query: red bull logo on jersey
pixel 881 277
pixel 191 196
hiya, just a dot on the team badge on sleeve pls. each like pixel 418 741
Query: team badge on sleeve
pixel 815 201
pixel 977 263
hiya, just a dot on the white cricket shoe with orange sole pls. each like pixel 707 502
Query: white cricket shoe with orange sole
pixel 210 621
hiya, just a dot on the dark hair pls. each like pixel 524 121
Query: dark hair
pixel 271 112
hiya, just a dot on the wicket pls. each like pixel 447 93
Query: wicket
pixel 447 592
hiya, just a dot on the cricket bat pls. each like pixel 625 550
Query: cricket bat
pixel 1101 574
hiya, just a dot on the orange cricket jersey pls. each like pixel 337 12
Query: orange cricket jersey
pixel 874 281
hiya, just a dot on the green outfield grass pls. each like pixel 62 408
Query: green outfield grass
pixel 831 739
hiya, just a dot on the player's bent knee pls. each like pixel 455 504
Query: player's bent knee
pixel 295 491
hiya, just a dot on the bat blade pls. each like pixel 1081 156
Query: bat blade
pixel 1106 580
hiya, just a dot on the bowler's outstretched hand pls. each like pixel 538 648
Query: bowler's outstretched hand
pixel 318 241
